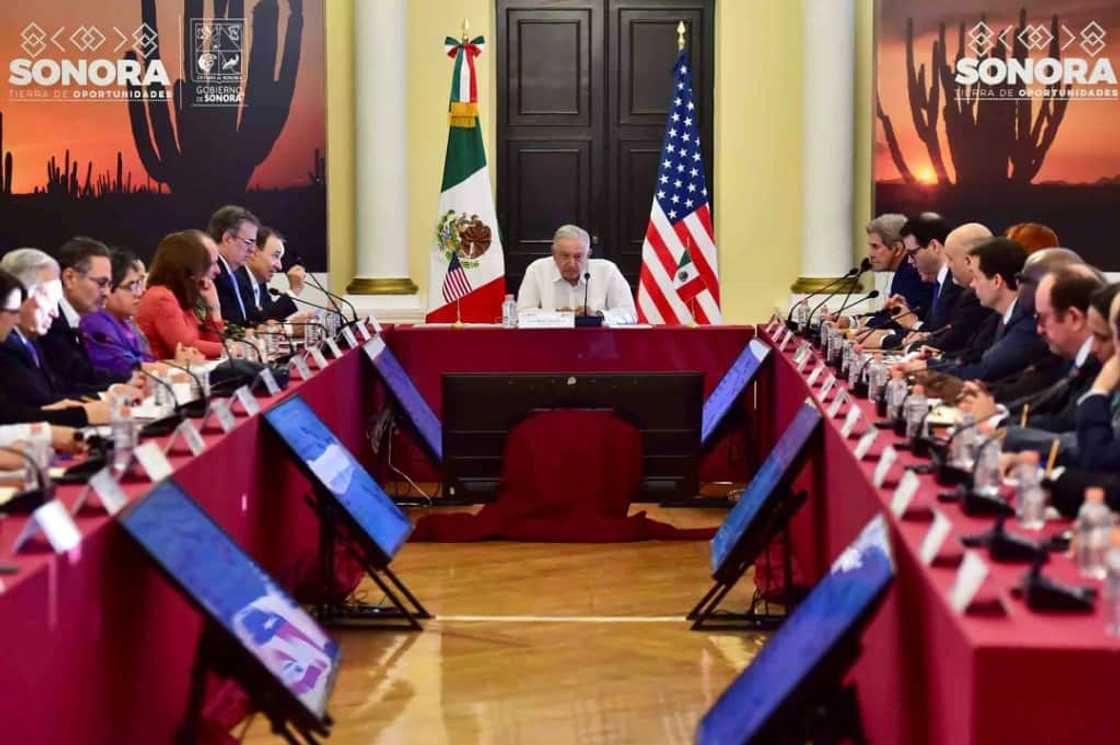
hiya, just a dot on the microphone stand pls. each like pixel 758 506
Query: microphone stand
pixel 863 267
pixel 330 295
pixel 789 316
pixel 29 500
pixel 587 320
pixel 167 424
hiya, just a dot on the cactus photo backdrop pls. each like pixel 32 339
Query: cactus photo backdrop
pixel 129 119
pixel 997 148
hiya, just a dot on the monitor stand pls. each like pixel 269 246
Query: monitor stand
pixel 216 652
pixel 761 614
pixel 403 612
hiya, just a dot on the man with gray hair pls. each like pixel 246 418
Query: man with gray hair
pixel 895 274
pixel 28 379
pixel 570 280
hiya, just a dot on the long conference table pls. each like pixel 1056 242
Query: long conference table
pixel 99 647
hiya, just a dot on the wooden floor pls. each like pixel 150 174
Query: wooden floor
pixel 538 644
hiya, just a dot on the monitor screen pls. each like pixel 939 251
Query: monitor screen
pixel 835 608
pixel 337 471
pixel 406 394
pixel 763 485
pixel 236 593
pixel 734 381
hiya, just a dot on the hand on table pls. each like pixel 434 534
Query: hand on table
pixel 1108 379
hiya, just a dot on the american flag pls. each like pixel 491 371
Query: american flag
pixel 679 237
pixel 455 283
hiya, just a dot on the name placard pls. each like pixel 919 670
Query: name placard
pixel 153 461
pixel 904 493
pixel 935 537
pixel 55 523
pixel 863 447
pixel 886 460
pixel 970 576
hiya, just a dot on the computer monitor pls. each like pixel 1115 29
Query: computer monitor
pixel 238 596
pixel 404 391
pixel 731 386
pixel 481 409
pixel 810 651
pixel 748 527
pixel 327 462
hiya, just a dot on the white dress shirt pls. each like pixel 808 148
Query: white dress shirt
pixel 544 287
pixel 72 318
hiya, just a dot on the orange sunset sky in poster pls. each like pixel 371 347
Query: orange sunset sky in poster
pixel 95 131
pixel 1086 148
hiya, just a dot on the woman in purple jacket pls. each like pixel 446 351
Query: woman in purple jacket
pixel 112 338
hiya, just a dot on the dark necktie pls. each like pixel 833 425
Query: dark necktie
pixel 32 351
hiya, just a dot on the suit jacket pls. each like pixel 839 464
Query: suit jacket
pixel 70 362
pixel 907 283
pixel 967 320
pixel 942 306
pixel 18 412
pixel 114 345
pixel 236 307
pixel 1098 446
pixel 1015 345
pixel 29 384
pixel 1058 413
pixel 266 308
pixel 1068 491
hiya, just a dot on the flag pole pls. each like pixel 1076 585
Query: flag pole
pixel 680 35
pixel 458 315
pixel 688 246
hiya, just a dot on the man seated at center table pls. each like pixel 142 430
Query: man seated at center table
pixel 563 281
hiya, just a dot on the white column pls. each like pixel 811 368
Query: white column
pixel 380 154
pixel 827 149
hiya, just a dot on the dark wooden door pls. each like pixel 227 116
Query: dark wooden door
pixel 584 87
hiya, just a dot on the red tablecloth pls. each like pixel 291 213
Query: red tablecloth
pixel 97 645
pixel 928 674
pixel 567 476
pixel 427 352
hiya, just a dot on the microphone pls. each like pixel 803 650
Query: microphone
pixel 165 425
pixel 297 259
pixel 869 296
pixel 1039 398
pixel 851 272
pixel 29 500
pixel 587 320
pixel 916 311
pixel 586 289
pixel 863 267
pixel 276 293
pixel 854 271
pixel 195 409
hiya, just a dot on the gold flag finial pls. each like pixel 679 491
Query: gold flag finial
pixel 466 29
pixel 680 35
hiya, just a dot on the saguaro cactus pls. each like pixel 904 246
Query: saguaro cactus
pixel 993 137
pixel 218 148
pixel 6 176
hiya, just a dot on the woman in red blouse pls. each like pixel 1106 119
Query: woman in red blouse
pixel 180 306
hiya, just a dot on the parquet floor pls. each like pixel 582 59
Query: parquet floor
pixel 540 644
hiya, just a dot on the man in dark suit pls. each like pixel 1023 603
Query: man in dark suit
pixel 29 383
pixel 86 276
pixel 887 252
pixel 996 267
pixel 263 262
pixel 234 229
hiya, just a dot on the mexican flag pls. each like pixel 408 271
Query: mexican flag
pixel 466 280
pixel 686 279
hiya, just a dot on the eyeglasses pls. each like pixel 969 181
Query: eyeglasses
pixel 101 282
pixel 135 288
pixel 249 242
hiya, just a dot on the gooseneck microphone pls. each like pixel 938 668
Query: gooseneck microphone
pixel 276 293
pixel 863 267
pixel 853 272
pixel 586 289
pixel 332 297
pixel 866 298
pixel 28 501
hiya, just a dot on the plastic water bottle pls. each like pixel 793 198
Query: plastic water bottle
pixel 1091 532
pixel 987 476
pixel 509 313
pixel 161 394
pixel 916 408
pixel 962 451
pixel 896 394
pixel 857 366
pixel 1112 583
pixel 876 380
pixel 122 429
pixel 801 315
pixel 1030 499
